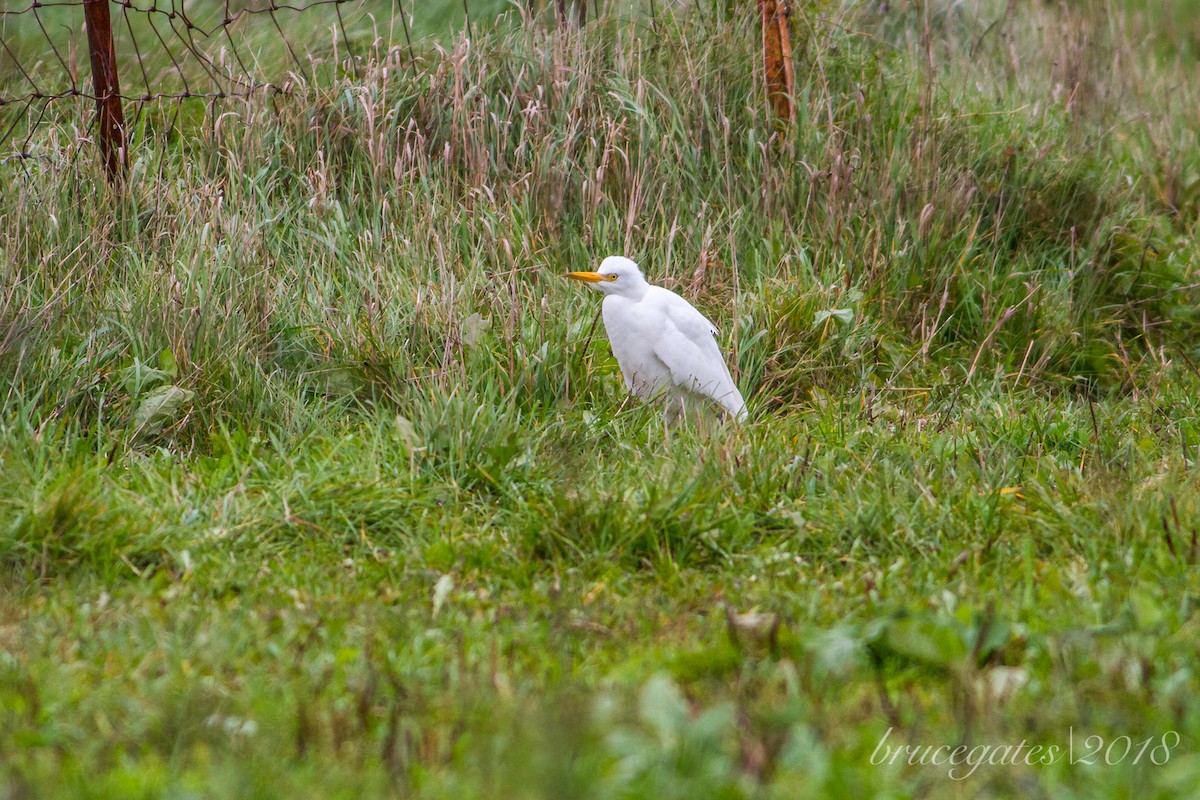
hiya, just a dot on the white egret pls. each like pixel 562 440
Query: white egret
pixel 664 346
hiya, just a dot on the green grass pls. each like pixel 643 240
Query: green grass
pixel 316 480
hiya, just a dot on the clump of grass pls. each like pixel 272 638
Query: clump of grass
pixel 67 522
pixel 316 479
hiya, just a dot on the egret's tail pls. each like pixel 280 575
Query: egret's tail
pixel 735 405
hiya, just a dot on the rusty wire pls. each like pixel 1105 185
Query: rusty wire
pixel 165 53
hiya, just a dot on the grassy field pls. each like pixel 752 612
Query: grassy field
pixel 317 480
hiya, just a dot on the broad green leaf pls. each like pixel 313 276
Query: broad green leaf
pixel 140 376
pixel 937 642
pixel 842 315
pixel 473 328
pixel 662 706
pixel 167 363
pixel 160 408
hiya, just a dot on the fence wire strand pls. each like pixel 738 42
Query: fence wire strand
pixel 164 53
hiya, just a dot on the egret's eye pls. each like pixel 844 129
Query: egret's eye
pixel 612 276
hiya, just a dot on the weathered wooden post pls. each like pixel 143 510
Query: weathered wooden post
pixel 777 58
pixel 110 117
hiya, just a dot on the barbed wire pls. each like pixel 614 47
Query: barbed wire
pixel 164 52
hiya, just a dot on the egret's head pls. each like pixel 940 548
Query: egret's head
pixel 617 275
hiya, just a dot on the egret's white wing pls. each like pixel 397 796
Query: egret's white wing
pixel 688 346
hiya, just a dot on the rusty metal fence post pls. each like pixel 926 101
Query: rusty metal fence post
pixel 110 118
pixel 777 58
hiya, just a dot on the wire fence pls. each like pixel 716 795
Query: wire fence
pixel 147 53
pixel 172 55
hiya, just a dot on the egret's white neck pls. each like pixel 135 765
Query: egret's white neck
pixel 635 292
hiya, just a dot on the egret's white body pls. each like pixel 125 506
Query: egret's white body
pixel 664 346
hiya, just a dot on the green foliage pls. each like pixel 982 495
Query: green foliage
pixel 317 481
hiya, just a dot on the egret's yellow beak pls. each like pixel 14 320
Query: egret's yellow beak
pixel 587 277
